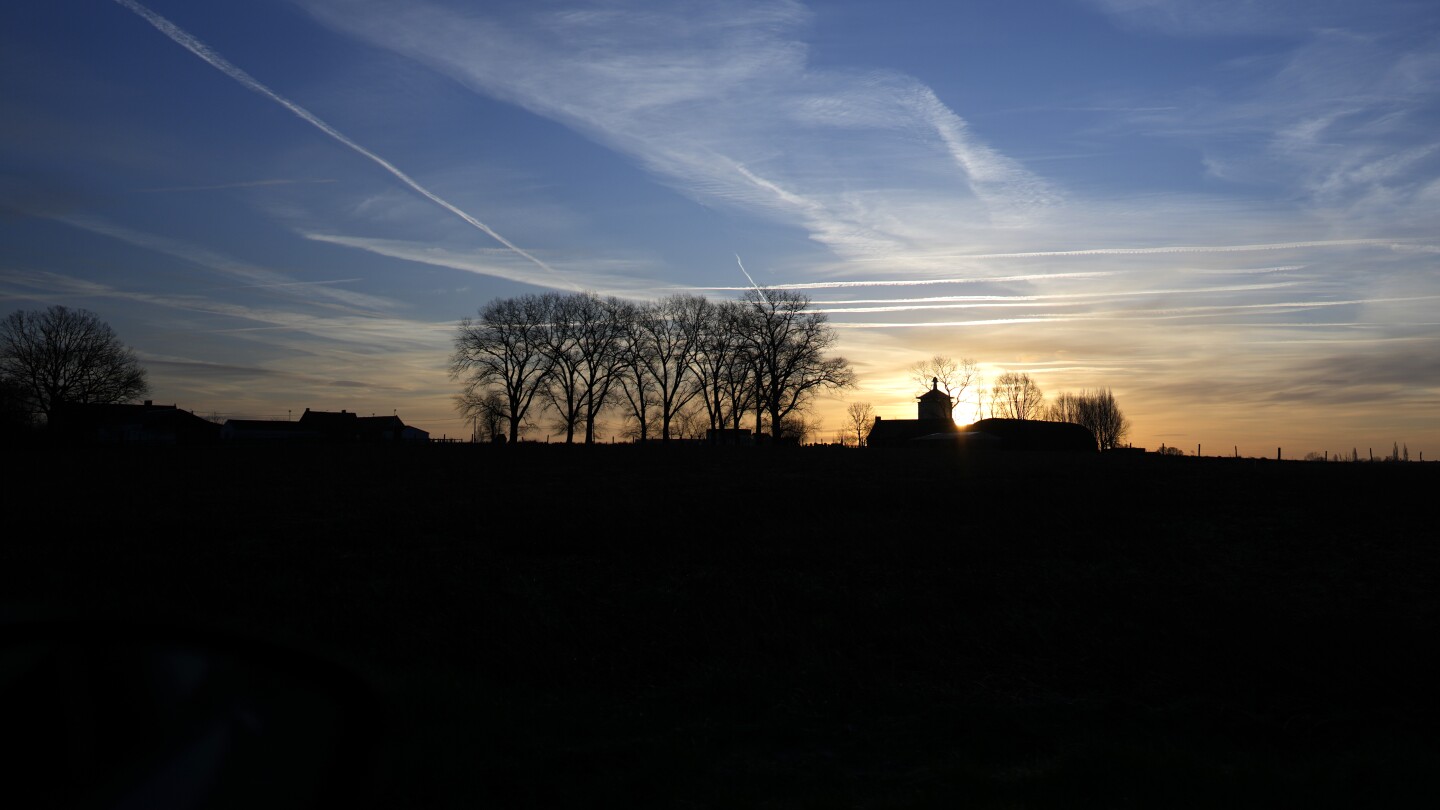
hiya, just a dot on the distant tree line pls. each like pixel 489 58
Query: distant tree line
pixel 659 365
pixel 1398 452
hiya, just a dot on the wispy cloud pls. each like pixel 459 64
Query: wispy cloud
pixel 1339 114
pixel 614 280
pixel 218 62
pixel 1231 17
pixel 355 330
pixel 720 102
pixel 255 276
pixel 240 184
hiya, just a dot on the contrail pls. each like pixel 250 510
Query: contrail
pixel 1142 251
pixel 917 282
pixel 1167 314
pixel 219 62
pixel 763 297
pixel 221 186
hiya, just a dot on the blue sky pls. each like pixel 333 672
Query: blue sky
pixel 1224 211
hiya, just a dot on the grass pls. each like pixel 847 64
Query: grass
pixel 773 627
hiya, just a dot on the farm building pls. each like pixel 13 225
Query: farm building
pixel 932 417
pixel 131 424
pixel 1037 435
pixel 934 427
pixel 336 427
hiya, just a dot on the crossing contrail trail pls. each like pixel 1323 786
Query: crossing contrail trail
pixel 751 280
pixel 221 64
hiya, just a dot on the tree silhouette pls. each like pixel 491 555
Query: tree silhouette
pixel 602 325
pixel 59 356
pixel 637 383
pixel 487 413
pixel 564 388
pixel 662 345
pixel 584 339
pixel 788 342
pixel 1016 396
pixel 723 364
pixel 953 376
pixel 1096 410
pixel 504 348
pixel 861 416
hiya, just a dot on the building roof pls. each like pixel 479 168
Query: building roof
pixel 1035 434
pixel 891 432
pixel 333 426
pixel 935 395
pixel 146 422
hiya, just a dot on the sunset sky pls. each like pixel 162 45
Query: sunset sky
pixel 1226 211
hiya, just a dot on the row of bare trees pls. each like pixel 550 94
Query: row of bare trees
pixel 578 355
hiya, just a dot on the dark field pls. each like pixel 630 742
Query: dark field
pixel 773 627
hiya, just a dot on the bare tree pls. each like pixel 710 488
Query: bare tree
pixel 603 323
pixel 689 423
pixel 722 364
pixel 59 356
pixel 741 378
pixel 798 428
pixel 861 416
pixel 1103 416
pixel 665 342
pixel 953 376
pixel 584 340
pixel 560 340
pixel 1016 396
pixel 505 348
pixel 487 412
pixel 1065 407
pixel 788 342
pixel 1095 410
pixel 636 383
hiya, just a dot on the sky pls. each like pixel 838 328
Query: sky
pixel 1224 211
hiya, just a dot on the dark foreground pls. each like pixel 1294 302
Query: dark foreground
pixel 549 626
